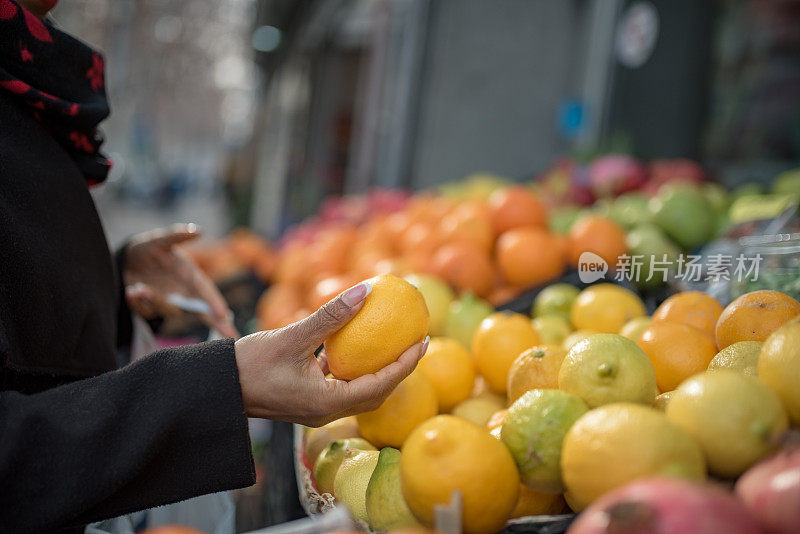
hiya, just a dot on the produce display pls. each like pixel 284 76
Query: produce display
pixel 637 431
pixel 635 413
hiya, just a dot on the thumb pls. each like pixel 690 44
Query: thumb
pixel 336 313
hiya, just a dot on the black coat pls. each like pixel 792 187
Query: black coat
pixel 79 440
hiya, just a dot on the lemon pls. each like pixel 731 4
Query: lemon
pixel 779 366
pixel 447 454
pixel 479 410
pixel 741 356
pixel 316 439
pixel 606 368
pixel 605 308
pixel 535 368
pixel 552 329
pixel 386 508
pixel 617 443
pixel 392 318
pixel 577 335
pixel 555 299
pixel 464 316
pixel 449 367
pixel 735 418
pixel 498 341
pixel 330 459
pixel 412 402
pixel 534 430
pixel 633 329
pixel 352 479
pixel 437 295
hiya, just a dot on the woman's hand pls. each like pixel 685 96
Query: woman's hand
pixel 154 268
pixel 281 379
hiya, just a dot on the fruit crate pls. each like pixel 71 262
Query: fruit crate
pixel 315 503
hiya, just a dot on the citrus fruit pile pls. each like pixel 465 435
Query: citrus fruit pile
pixel 552 412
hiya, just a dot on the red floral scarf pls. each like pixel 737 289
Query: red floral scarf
pixel 60 79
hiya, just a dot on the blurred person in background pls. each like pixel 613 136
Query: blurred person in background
pixel 79 440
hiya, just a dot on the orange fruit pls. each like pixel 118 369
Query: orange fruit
pixel 446 454
pixel 420 238
pixel 535 368
pixel 694 308
pixel 247 246
pixel 327 288
pixel 529 256
pixel 449 367
pixel 412 402
pixel 499 340
pixel 465 267
pixel 467 224
pixel 292 265
pixel 532 502
pixel 502 294
pixel 597 234
pixel 754 316
pixel 278 304
pixel 392 318
pixel 516 206
pixel 677 351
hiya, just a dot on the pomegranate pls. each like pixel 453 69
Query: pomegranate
pixel 771 490
pixel 666 506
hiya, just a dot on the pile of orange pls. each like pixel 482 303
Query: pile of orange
pixel 494 247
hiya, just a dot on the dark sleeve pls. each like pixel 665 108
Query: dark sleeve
pixel 124 318
pixel 169 427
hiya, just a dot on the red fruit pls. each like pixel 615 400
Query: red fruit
pixel 666 506
pixel 614 174
pixel 771 491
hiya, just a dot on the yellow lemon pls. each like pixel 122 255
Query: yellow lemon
pixel 741 356
pixel 392 318
pixel 605 308
pixel 617 443
pixel 606 368
pixel 479 410
pixel 735 418
pixel 633 329
pixel 411 403
pixel 577 335
pixel 316 439
pixel 447 454
pixel 779 367
pixel 552 329
pixel 449 367
pixel 437 295
pixel 500 338
pixel 352 479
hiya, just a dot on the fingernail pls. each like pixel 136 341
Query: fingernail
pixel 425 346
pixel 356 294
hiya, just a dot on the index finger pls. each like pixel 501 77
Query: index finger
pixel 378 386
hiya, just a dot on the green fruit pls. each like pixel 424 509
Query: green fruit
pixel 685 214
pixel 534 430
pixel 464 316
pixel 386 507
pixel 787 182
pixel 649 242
pixel 555 299
pixel 330 459
pixel 746 190
pixel 630 209
pixel 352 479
pixel 552 329
pixel 561 219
